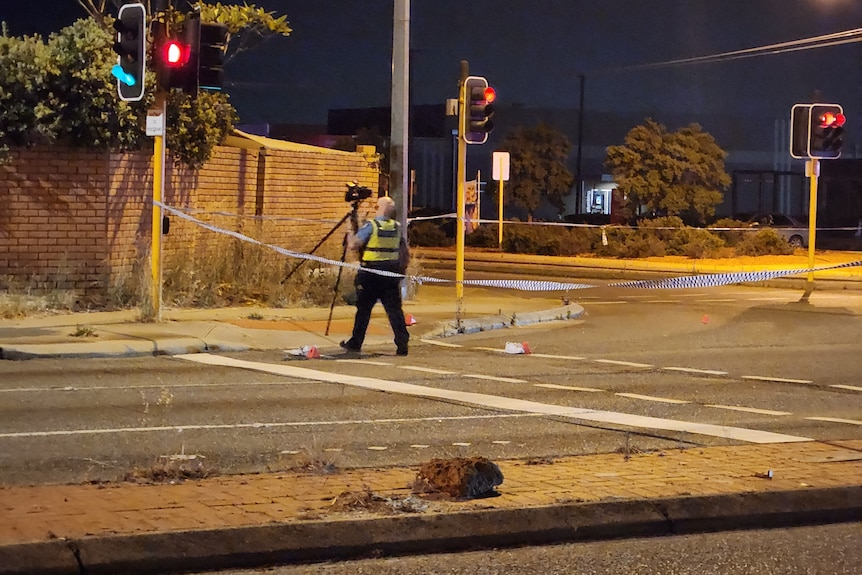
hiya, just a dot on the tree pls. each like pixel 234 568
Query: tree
pixel 669 174
pixel 537 168
pixel 61 90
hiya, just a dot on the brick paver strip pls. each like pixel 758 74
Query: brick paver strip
pixel 38 513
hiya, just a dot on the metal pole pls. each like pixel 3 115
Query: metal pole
pixel 578 173
pixel 812 167
pixel 459 196
pixel 158 187
pixel 398 171
pixel 500 230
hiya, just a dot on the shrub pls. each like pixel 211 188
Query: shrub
pixel 429 234
pixel 763 242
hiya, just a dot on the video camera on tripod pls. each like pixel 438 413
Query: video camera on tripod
pixel 356 193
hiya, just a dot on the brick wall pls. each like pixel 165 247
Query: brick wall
pixel 81 220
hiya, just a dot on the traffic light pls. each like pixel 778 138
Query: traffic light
pixel 479 103
pixel 827 130
pixel 131 68
pixel 816 131
pixel 175 65
pixel 212 45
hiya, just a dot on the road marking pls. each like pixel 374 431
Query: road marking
pixel 693 370
pixel 776 379
pixel 501 442
pixel 440 343
pixel 462 444
pixel 70 388
pixel 364 362
pixel 427 370
pixel 750 409
pixel 835 420
pixel 494 378
pixel 497 349
pixel 567 387
pixel 651 398
pixel 624 363
pixel 256 425
pixel 717 300
pixel 552 356
pixel 377 448
pixel 502 403
pixel 662 301
pixel 604 302
pixel 849 387
pixel 419 446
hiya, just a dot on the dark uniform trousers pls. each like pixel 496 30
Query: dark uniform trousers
pixel 371 287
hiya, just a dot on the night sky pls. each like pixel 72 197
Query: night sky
pixel 339 54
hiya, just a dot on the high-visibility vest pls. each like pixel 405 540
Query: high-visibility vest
pixel 384 242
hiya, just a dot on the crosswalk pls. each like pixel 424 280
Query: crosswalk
pixel 502 403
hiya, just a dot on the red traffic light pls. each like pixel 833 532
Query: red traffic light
pixel 832 120
pixel 175 54
pixel 490 95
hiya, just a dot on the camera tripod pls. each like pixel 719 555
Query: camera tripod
pixel 353 216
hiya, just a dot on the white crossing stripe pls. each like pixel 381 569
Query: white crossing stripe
pixel 651 398
pixel 494 378
pixel 625 363
pixel 567 387
pixel 428 370
pixel 776 379
pixel 835 420
pixel 552 356
pixel 750 409
pixel 848 387
pixel 440 343
pixel 364 362
pixel 693 370
pixel 502 403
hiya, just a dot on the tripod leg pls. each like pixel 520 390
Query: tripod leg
pixel 320 243
pixel 335 291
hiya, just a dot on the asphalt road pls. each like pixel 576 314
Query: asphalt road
pixel 818 550
pixel 752 359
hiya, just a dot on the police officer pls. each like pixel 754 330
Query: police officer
pixel 379 243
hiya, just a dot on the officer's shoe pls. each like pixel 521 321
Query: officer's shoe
pixel 346 344
pixel 401 350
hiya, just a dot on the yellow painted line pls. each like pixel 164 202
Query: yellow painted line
pixel 494 378
pixel 776 379
pixel 835 420
pixel 850 387
pixel 567 387
pixel 651 398
pixel 750 410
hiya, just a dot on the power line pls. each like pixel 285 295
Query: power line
pixel 835 39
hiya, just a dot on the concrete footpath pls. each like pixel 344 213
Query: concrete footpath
pixel 149 526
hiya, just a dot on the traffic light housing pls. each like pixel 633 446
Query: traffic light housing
pixel 201 66
pixel 176 59
pixel 131 46
pixel 479 100
pixel 817 131
pixel 212 46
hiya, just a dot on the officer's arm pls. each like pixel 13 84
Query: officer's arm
pixel 357 241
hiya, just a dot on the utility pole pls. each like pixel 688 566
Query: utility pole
pixel 398 147
pixel 459 194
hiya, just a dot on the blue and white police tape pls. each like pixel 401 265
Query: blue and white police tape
pixel 713 280
pixel 699 281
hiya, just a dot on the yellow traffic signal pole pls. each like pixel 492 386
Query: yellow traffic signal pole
pixel 158 186
pixel 500 212
pixel 812 169
pixel 459 194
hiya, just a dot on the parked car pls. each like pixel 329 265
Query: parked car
pixel 788 227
